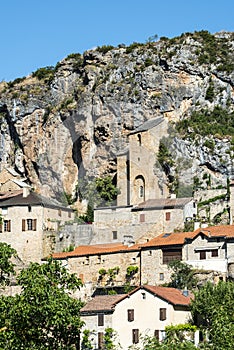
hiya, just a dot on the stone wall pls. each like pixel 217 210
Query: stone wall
pixel 87 267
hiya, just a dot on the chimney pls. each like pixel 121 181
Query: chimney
pixel 26 191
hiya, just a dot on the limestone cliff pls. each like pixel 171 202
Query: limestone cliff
pixel 64 123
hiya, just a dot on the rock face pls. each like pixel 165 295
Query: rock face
pixel 63 124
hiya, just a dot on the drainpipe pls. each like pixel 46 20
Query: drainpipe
pixel 140 267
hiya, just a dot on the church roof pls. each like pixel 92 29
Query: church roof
pixel 149 124
pixel 163 203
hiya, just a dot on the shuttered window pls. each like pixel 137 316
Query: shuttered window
pixel 142 217
pixel 100 340
pixel 202 255
pixel 156 333
pixel 29 224
pixel 7 225
pixel 168 216
pixel 214 253
pixel 135 336
pixel 130 315
pixel 172 255
pixel 162 314
pixel 100 319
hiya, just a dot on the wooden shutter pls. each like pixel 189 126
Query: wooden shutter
pixel 130 315
pixel 162 314
pixel 202 255
pixel 23 224
pixel 142 217
pixel 34 224
pixel 0 227
pixel 100 340
pixel 100 320
pixel 172 255
pixel 135 336
pixel 9 225
pixel 168 216
pixel 156 333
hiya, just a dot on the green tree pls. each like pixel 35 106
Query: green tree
pixel 6 265
pixel 43 316
pixel 109 339
pixel 86 342
pixel 182 275
pixel 213 310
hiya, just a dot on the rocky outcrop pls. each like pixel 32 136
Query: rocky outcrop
pixel 68 122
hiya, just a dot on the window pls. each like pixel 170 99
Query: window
pixel 31 224
pixel 162 314
pixel 171 255
pixel 100 319
pixel 59 212
pixel 168 216
pixel 100 340
pixel 142 217
pixel 156 333
pixel 161 276
pixel 135 336
pixel 7 225
pixel 130 315
pixel 139 139
pixel 202 255
pixel 214 253
pixel 141 191
pixel 29 208
pixel 114 233
pixel 143 295
pixel 69 214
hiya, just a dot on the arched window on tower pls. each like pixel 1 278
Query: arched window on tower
pixel 139 139
pixel 139 188
pixel 141 191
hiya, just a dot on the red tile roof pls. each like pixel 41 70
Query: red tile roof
pixel 108 302
pixel 178 238
pixel 98 249
pixel 172 295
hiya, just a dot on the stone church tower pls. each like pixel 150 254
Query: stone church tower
pixel 136 177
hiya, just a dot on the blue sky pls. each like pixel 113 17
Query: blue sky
pixel 39 33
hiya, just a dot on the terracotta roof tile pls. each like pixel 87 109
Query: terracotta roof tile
pixel 178 238
pixel 84 250
pixel 107 302
pixel 172 295
pixel 102 303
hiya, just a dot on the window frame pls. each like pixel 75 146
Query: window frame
pixel 100 320
pixel 162 314
pixel 130 313
pixel 135 336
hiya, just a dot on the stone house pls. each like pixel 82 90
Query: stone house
pixel 28 219
pixel 210 249
pixel 112 260
pixel 147 310
pixel 142 221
